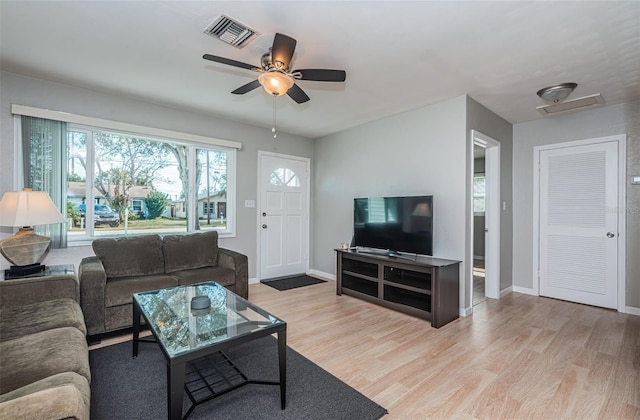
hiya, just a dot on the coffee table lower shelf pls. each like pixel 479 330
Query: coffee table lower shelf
pixel 213 376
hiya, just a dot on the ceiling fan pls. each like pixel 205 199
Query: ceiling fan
pixel 275 74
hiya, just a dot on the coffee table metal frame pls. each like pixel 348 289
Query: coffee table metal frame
pixel 191 362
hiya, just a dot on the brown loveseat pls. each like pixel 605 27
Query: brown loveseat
pixel 44 359
pixel 124 266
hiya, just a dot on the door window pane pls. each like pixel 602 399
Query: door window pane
pixel 284 177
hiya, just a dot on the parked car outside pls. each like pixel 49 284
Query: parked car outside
pixel 102 215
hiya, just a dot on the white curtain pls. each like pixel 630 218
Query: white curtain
pixel 44 146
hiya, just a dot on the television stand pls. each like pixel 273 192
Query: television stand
pixel 428 288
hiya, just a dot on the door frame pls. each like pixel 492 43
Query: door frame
pixel 492 214
pixel 621 139
pixel 307 221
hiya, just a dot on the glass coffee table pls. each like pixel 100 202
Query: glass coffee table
pixel 193 340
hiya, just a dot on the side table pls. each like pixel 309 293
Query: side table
pixel 50 270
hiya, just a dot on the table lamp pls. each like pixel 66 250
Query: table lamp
pixel 25 209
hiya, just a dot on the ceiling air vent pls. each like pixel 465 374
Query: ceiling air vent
pixel 230 31
pixel 572 105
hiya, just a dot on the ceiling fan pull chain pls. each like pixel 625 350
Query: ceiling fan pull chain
pixel 273 129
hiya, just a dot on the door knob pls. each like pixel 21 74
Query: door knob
pixel 610 235
pixel 264 226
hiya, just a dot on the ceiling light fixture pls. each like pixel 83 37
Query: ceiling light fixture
pixel 556 93
pixel 275 82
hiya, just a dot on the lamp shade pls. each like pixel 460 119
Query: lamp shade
pixel 28 208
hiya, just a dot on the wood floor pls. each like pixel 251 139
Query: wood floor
pixel 522 357
pixel 519 357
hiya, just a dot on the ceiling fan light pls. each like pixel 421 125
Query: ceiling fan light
pixel 275 83
pixel 556 93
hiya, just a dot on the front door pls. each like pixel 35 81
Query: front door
pixel 283 215
pixel 578 223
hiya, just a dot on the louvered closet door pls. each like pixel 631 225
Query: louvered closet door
pixel 578 224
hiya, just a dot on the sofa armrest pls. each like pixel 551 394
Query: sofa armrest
pixel 240 265
pixel 56 403
pixel 93 280
pixel 18 292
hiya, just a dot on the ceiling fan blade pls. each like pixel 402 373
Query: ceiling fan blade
pixel 228 62
pixel 282 49
pixel 247 88
pixel 322 75
pixel 297 94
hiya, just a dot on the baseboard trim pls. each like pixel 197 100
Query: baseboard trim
pixel 505 292
pixel 254 280
pixel 322 274
pixel 524 290
pixel 631 310
pixel 466 311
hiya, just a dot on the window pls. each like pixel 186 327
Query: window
pixel 284 177
pixel 136 206
pixel 146 185
pixel 479 194
pixel 211 189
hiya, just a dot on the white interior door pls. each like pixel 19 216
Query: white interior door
pixel 578 223
pixel 283 215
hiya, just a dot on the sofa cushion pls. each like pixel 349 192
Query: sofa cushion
pixel 33 357
pixel 130 256
pixel 221 275
pixel 63 396
pixel 193 250
pixel 17 321
pixel 119 291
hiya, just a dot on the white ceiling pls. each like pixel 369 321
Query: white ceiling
pixel 398 55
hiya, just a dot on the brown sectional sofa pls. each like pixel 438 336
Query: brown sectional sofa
pixel 124 266
pixel 44 358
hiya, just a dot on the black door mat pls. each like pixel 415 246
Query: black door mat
pixel 292 282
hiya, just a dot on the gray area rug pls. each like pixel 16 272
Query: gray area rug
pixel 126 388
pixel 294 282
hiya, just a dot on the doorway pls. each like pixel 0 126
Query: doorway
pixel 283 215
pixel 579 229
pixel 486 218
pixel 479 227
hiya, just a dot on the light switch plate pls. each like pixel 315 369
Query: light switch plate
pixel 250 203
pixel 635 179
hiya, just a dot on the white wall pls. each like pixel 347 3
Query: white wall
pixel 419 152
pixel 22 90
pixel 599 122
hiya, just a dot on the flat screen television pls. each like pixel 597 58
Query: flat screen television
pixel 394 225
